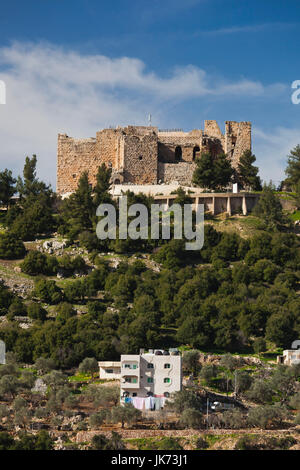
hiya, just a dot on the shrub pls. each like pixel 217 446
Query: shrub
pixel 47 291
pixel 234 419
pixel 266 417
pixel 39 263
pixel 89 365
pixel 97 419
pixel 11 247
pixel 201 444
pixel 191 418
pixel 36 311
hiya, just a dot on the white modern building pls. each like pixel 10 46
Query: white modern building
pixel 148 379
pixel 109 370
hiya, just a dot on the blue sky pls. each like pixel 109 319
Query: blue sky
pixel 77 66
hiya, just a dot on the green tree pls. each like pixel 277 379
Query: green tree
pixel 31 185
pixel 269 208
pixel 293 166
pixel 125 414
pixel 89 365
pixel 77 211
pixel 191 418
pixel 185 399
pixel 260 391
pixel 97 419
pixel 36 311
pixel 204 175
pixel 190 361
pixel 101 190
pixel 47 291
pixel 7 187
pixel 36 262
pixel 248 173
pixel 212 173
pixel 11 247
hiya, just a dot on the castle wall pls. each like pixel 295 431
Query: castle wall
pixel 144 155
pixel 75 156
pixel 140 158
pixel 237 140
pixel 171 172
pixel 187 141
pixel 212 129
pixel 109 147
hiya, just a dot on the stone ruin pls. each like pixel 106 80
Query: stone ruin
pixel 147 155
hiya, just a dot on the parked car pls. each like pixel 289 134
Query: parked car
pixel 218 406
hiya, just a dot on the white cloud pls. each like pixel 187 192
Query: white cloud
pixel 51 90
pixel 272 149
pixel 255 28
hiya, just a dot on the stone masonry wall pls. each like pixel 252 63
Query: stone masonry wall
pixel 74 156
pixel 140 159
pixel 171 172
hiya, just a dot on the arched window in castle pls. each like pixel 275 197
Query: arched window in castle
pixel 178 153
pixel 196 151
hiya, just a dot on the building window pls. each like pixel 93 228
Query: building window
pixel 178 153
pixel 130 366
pixel 150 365
pixel 131 380
pixel 149 394
pixel 134 394
pixel 166 394
pixel 109 371
pixel 167 380
pixel 150 380
pixel 167 366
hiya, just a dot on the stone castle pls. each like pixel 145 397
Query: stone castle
pixel 145 154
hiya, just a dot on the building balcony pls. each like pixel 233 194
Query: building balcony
pixel 133 383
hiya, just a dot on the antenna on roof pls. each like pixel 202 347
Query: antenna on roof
pixel 150 120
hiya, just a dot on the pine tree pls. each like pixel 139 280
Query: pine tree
pixel 293 167
pixel 269 208
pixel 212 173
pixel 7 187
pixel 223 171
pixel 248 173
pixel 204 173
pixel 101 190
pixel 77 211
pixel 31 185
